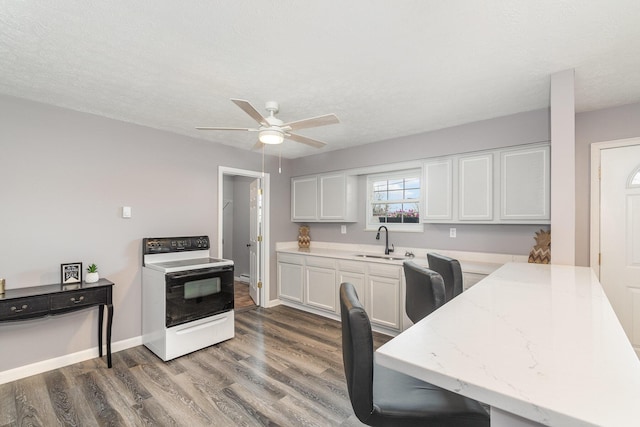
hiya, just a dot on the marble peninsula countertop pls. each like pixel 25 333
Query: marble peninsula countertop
pixel 541 344
pixel 471 262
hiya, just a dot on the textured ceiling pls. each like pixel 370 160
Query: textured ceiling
pixel 386 68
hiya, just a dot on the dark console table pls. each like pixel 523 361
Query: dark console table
pixel 47 300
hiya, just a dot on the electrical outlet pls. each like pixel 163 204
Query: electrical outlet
pixel 452 233
pixel 343 229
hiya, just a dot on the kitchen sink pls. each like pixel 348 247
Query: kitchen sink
pixel 387 257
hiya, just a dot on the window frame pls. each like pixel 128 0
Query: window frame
pixel 634 178
pixel 415 173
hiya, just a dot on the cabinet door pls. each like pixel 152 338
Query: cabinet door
pixel 476 188
pixel 304 199
pixel 332 197
pixel 321 288
pixel 438 190
pixel 383 295
pixel 358 282
pixel 290 281
pixel 524 176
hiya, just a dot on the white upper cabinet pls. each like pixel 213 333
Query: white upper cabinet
pixel 333 197
pixel 525 184
pixel 438 189
pixel 475 189
pixel 506 186
pixel 324 198
pixel 304 199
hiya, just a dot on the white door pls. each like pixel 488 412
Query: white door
pixel 255 239
pixel 620 235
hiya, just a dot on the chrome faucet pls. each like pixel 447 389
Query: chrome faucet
pixel 386 240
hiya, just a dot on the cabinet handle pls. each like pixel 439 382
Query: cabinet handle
pixel 18 310
pixel 75 301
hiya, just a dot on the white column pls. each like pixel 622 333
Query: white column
pixel 563 168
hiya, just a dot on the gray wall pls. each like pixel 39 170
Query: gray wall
pixel 506 131
pixel 64 177
pixel 516 129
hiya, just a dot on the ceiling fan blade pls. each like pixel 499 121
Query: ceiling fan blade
pixel 305 140
pixel 327 119
pixel 259 145
pixel 219 128
pixel 248 108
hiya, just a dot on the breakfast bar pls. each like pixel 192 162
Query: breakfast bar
pixel 540 344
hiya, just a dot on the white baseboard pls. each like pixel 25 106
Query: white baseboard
pixel 66 360
pixel 272 303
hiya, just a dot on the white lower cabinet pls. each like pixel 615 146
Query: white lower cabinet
pixel 378 287
pixel 354 273
pixel 314 286
pixel 383 295
pixel 320 284
pixel 291 277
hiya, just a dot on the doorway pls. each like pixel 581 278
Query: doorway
pixel 243 231
pixel 615 236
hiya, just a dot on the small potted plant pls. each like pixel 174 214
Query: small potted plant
pixel 92 274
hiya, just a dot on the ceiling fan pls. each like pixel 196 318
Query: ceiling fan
pixel 273 130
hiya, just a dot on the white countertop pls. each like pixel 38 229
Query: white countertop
pixel 471 262
pixel 535 340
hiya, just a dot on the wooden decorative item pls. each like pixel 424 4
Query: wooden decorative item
pixel 304 240
pixel 541 252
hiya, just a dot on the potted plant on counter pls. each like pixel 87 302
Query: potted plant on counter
pixel 92 274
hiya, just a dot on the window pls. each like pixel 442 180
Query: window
pixel 635 179
pixel 394 200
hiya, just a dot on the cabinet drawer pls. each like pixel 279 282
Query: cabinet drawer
pixel 291 259
pixel 351 266
pixel 23 307
pixel 321 262
pixel 391 271
pixel 78 299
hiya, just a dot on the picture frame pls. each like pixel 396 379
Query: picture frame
pixel 71 273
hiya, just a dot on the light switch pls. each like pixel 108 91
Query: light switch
pixel 126 212
pixel 343 229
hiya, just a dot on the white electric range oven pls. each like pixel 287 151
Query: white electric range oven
pixel 187 296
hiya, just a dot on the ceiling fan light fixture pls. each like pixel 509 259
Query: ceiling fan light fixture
pixel 271 136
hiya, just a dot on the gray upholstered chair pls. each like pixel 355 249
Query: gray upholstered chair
pixel 450 271
pixel 384 397
pixel 425 291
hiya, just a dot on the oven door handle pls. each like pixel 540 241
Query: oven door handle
pixel 211 272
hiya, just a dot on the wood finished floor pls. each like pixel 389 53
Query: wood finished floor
pixel 284 367
pixel 242 299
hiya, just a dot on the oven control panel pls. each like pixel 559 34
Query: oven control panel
pixel 162 245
